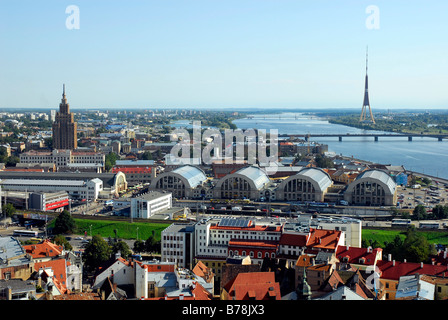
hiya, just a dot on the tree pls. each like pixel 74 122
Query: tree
pixel 147 155
pixel 416 247
pixel 97 252
pixel 122 247
pixel 9 210
pixel 440 212
pixel 60 240
pixel 110 160
pixel 139 246
pixel 64 223
pixel 420 212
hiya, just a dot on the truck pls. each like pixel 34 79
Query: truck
pixel 236 208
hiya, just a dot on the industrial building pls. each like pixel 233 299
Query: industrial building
pixel 183 182
pixel 372 188
pixel 247 183
pixel 309 184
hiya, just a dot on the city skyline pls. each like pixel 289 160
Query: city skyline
pixel 226 55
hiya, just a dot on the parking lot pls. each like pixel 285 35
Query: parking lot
pixel 409 198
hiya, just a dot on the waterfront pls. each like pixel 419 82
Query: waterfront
pixel 425 155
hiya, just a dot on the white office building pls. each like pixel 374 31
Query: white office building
pixel 149 204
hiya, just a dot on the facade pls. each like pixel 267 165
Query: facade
pixel 247 183
pixel 372 188
pixel 309 184
pixel 147 205
pixel 46 201
pixel 183 182
pixel 177 243
pixel 390 272
pixel 76 189
pixel 217 239
pixel 66 160
pixel 136 171
pixel 64 127
pixel 112 183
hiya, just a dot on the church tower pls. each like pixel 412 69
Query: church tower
pixel 64 127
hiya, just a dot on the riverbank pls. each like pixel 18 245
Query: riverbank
pixel 423 155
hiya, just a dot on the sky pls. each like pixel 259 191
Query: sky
pixel 222 54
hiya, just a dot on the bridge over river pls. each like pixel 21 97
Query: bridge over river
pixel 375 136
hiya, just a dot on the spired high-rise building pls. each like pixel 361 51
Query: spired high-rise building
pixel 64 127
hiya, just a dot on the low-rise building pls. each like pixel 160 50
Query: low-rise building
pixel 15 263
pixel 149 204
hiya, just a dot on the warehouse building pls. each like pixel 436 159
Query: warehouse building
pixel 309 184
pixel 372 188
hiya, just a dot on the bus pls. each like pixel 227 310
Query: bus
pixel 429 225
pixel 401 222
pixel 25 233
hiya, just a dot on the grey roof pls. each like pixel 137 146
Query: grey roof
pixel 18 285
pixel 193 175
pixel 40 182
pixel 318 175
pixel 257 175
pixel 12 252
pixel 108 178
pixel 380 176
pixel 342 293
pixel 413 287
pixel 134 163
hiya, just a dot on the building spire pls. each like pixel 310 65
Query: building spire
pixel 63 90
pixel 367 57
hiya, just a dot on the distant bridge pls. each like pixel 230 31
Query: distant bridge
pixel 375 136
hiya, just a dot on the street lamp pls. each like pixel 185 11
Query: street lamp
pixel 137 233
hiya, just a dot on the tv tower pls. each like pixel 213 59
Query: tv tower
pixel 366 102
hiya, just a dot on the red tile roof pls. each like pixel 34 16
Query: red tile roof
pixel 298 240
pixel 391 272
pixel 59 268
pixel 324 239
pixel 304 260
pixel 256 285
pixel 43 250
pixel 354 254
pixel 253 243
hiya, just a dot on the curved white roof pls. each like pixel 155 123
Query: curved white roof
pixel 380 176
pixel 319 177
pixel 257 175
pixel 193 175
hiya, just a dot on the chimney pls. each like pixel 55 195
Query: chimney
pixel 9 297
pixel 393 263
pixel 389 257
pixel 404 261
pixel 421 265
pixel 444 254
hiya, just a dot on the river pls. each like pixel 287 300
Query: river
pixel 425 155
